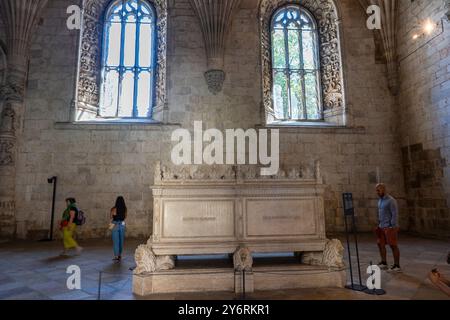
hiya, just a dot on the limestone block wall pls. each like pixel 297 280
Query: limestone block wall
pixel 95 163
pixel 424 117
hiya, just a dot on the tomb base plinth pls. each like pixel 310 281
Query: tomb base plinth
pixel 261 278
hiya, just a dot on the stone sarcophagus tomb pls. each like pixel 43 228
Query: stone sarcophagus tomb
pixel 215 209
pixel 204 210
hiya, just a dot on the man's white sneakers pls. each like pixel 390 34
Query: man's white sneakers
pixel 395 268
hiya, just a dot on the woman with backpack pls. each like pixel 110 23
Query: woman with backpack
pixel 118 216
pixel 68 226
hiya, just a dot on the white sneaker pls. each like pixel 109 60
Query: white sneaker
pixel 395 268
pixel 79 250
pixel 382 266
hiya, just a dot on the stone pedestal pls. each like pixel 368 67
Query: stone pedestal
pixel 276 277
pixel 184 280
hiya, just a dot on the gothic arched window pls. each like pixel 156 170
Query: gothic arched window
pixel 128 60
pixel 295 65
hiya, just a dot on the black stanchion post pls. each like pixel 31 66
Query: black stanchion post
pixel 53 207
pixel 350 211
pixel 52 180
pixel 349 251
pixel 99 285
pixel 357 250
pixel 243 283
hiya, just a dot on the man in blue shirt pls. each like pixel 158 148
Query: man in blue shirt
pixel 387 230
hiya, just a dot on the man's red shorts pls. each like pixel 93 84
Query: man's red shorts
pixel 387 236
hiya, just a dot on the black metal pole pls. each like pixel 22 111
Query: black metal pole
pixel 99 285
pixel 243 283
pixel 357 250
pixel 348 249
pixel 53 207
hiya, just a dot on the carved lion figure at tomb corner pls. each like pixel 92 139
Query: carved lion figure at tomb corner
pixel 148 262
pixel 333 254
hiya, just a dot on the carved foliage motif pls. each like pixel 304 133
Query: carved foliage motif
pixel 233 172
pixel 215 79
pixel 91 52
pixel 6 152
pixel 7 120
pixel 330 56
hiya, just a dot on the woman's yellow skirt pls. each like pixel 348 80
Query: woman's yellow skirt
pixel 68 232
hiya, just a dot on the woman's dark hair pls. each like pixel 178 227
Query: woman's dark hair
pixel 71 200
pixel 120 206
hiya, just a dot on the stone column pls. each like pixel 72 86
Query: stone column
pixel 20 19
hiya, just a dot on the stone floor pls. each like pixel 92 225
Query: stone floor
pixel 35 271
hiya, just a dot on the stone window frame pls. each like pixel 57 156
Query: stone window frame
pixel 326 15
pixel 88 84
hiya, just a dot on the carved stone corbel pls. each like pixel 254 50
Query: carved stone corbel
pixel 215 21
pixel 215 80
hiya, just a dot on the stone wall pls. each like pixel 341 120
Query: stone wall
pixel 424 116
pixel 97 162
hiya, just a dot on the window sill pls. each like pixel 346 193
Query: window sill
pixel 314 128
pixel 115 125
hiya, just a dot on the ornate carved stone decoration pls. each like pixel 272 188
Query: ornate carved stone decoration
pixel 215 79
pixel 388 37
pixel 230 173
pixel 215 20
pixel 242 259
pixel 325 13
pixel 12 92
pixel 7 120
pixel 333 254
pixel 88 85
pixel 7 157
pixel 148 262
pixel 313 258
